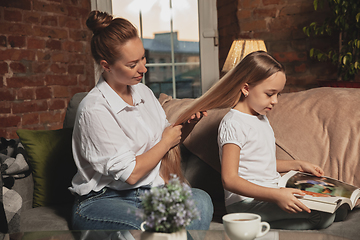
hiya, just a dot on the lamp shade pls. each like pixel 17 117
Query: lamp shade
pixel 239 49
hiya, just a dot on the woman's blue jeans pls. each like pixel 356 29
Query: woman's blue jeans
pixel 115 210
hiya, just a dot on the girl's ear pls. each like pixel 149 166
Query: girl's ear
pixel 245 90
pixel 104 65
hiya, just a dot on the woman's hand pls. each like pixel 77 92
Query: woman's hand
pixel 190 123
pixel 197 117
pixel 148 160
pixel 286 200
pixel 311 168
pixel 172 135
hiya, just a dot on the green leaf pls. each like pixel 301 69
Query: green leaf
pixel 337 20
pixel 353 43
pixel 358 17
pixel 356 65
pixel 347 58
pixel 335 58
pixel 307 31
pixel 330 54
pixel 320 56
pixel 312 52
pixel 344 60
pixel 315 4
pixel 345 5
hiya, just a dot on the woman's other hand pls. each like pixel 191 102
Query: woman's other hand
pixel 172 135
pixel 190 124
pixel 197 117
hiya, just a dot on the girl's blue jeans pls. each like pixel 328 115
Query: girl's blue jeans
pixel 115 210
pixel 277 218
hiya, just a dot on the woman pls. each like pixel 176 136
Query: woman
pixel 121 134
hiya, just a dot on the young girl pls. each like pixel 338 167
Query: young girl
pixel 249 168
pixel 247 146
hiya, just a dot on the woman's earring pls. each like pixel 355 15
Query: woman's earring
pixel 246 94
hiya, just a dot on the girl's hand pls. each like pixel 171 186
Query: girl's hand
pixel 311 168
pixel 286 200
pixel 172 135
pixel 197 116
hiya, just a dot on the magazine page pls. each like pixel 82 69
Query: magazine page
pixel 355 198
pixel 322 189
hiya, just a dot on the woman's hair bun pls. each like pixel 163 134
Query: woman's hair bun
pixel 97 21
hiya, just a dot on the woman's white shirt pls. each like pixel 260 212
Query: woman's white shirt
pixel 255 137
pixel 108 135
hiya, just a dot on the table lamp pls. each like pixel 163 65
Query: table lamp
pixel 239 49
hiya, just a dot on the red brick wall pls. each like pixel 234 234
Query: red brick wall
pixel 44 60
pixel 280 24
pixel 228 26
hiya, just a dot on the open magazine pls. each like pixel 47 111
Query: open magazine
pixel 322 193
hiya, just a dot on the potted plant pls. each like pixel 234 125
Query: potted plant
pixel 344 22
pixel 167 211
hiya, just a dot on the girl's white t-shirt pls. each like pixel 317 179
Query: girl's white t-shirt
pixel 255 137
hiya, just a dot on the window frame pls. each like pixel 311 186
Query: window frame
pixel 208 41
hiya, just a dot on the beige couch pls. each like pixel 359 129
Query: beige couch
pixel 319 125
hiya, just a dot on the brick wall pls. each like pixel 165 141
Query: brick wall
pixel 280 24
pixel 228 26
pixel 44 60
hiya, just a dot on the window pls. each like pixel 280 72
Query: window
pixel 151 60
pixel 171 35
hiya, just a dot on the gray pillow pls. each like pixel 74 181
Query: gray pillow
pixel 72 108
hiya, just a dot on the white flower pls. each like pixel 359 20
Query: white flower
pixel 169 208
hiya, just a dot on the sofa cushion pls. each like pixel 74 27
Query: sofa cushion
pixel 25 187
pixel 72 109
pixel 46 219
pixel 322 126
pixel 50 157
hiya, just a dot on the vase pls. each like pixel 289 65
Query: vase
pixel 179 235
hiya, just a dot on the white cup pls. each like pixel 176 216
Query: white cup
pixel 244 226
pixel 142 226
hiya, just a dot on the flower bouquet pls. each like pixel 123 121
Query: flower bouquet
pixel 168 209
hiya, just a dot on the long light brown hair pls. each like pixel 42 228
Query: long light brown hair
pixel 253 69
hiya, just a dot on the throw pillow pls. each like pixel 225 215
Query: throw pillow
pixel 52 164
pixel 72 108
